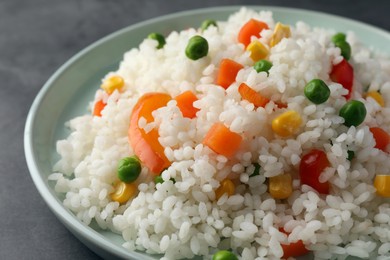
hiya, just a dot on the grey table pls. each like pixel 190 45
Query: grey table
pixel 36 37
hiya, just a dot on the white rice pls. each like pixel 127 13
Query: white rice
pixel 184 219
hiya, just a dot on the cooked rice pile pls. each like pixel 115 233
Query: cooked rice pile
pixel 184 219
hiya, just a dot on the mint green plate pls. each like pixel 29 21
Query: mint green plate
pixel 67 93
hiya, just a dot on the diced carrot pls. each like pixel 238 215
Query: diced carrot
pixel 146 145
pixel 98 107
pixel 382 138
pixel 293 249
pixel 252 96
pixel 185 103
pixel 221 140
pixel 251 28
pixel 280 104
pixel 228 70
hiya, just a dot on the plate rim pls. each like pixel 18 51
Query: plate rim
pixel 87 235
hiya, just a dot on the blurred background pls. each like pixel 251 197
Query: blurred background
pixel 38 36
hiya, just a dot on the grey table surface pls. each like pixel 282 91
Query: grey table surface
pixel 36 37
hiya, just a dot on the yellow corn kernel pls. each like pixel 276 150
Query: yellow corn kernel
pixel 227 186
pixel 377 97
pixel 112 83
pixel 382 185
pixel 281 31
pixel 280 187
pixel 287 123
pixel 123 192
pixel 258 51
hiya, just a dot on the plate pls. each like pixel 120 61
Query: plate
pixel 67 93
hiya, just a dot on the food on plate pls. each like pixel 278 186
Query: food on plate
pixel 197 47
pixel 159 38
pixel 262 65
pixel 206 23
pixel 241 139
pixel 129 169
pixel 224 255
pixel 317 91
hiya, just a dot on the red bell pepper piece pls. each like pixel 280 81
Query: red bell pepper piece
pixel 311 166
pixel 293 249
pixel 343 73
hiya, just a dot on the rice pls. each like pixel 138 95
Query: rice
pixel 184 218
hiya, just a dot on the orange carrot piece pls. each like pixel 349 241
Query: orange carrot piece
pixel 146 145
pixel 252 96
pixel 280 104
pixel 227 73
pixel 185 103
pixel 251 28
pixel 221 140
pixel 382 138
pixel 98 107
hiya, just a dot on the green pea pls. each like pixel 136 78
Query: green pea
pixel 224 255
pixel 317 91
pixel 129 169
pixel 197 47
pixel 159 38
pixel 351 154
pixel 262 65
pixel 207 23
pixel 256 171
pixel 339 37
pixel 158 179
pixel 340 41
pixel 345 49
pixel 354 112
